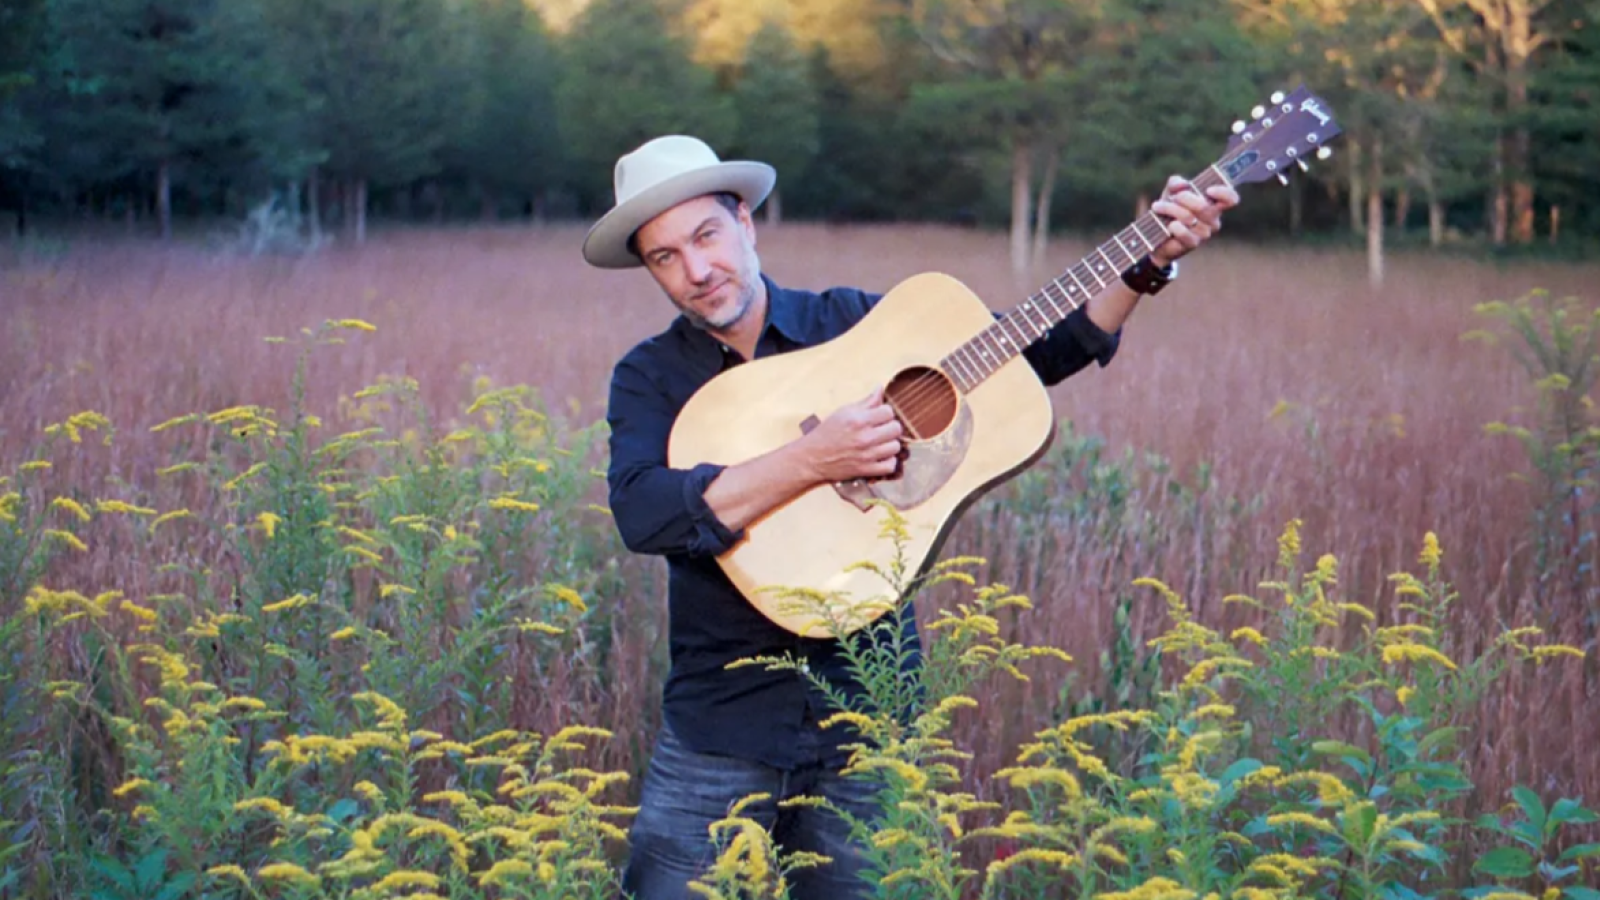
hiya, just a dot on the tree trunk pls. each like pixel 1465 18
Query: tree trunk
pixel 1375 213
pixel 1021 184
pixel 359 209
pixel 1402 209
pixel 1047 188
pixel 1358 188
pixel 1297 207
pixel 314 204
pixel 488 203
pixel 1555 224
pixel 164 199
pixel 774 208
pixel 1435 222
pixel 1498 206
pixel 1518 35
pixel 1141 204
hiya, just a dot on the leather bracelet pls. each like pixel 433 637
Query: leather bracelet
pixel 1145 278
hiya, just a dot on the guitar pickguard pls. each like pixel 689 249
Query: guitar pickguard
pixel 926 468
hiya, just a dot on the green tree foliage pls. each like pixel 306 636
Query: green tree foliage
pixel 776 105
pixel 508 143
pixel 627 78
pixel 19 58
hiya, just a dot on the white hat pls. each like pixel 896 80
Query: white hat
pixel 658 176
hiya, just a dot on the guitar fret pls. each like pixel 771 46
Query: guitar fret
pixel 1040 330
pixel 1077 286
pixel 1088 273
pixel 961 366
pixel 1054 306
pixel 1138 230
pixel 1113 265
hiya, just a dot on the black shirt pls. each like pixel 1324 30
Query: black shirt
pixel 749 713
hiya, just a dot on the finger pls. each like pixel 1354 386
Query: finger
pixel 1223 195
pixel 877 416
pixel 889 431
pixel 886 450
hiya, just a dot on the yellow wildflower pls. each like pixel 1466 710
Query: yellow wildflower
pixel 34 465
pixel 269 523
pixel 118 506
pixel 71 506
pixel 175 469
pixel 407 878
pixel 169 516
pixel 1416 652
pixel 513 504
pixel 343 634
pixel 293 602
pixel 353 324
pixel 129 786
pixel 503 871
pixel 389 589
pixel 1541 654
pixel 230 871
pixel 283 871
pixel 1431 554
pixel 1289 544
pixel 364 553
pixel 134 609
pixel 173 423
pixel 1300 818
pixel 68 538
pixel 1249 634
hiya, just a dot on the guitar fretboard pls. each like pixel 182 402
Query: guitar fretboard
pixel 1014 332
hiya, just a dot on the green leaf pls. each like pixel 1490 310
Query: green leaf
pixel 1580 851
pixel 177 887
pixel 1532 807
pixel 113 871
pixel 1569 810
pixel 151 871
pixel 1505 862
pixel 1238 770
pixel 1340 748
pixel 1581 893
pixel 1359 822
pixel 1435 738
pixel 344 809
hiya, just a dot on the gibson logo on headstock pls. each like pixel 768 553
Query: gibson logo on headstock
pixel 1311 105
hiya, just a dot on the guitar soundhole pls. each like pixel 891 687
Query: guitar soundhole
pixel 925 400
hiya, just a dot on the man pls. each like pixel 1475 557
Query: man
pixel 685 216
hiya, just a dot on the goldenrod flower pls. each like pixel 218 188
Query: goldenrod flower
pixel 34 466
pixel 1404 694
pixel 168 517
pixel 364 553
pixel 504 870
pixel 353 324
pixel 343 634
pixel 1415 652
pixel 407 878
pixel 513 504
pixel 175 469
pixel 1431 554
pixel 293 602
pixel 1541 654
pixel 129 786
pixel 229 871
pixel 283 871
pixel 1249 634
pixel 1300 818
pixel 173 423
pixel 118 506
pixel 269 523
pixel 68 538
pixel 71 506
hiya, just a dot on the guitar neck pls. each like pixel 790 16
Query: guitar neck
pixel 1012 333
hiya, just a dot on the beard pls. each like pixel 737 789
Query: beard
pixel 746 281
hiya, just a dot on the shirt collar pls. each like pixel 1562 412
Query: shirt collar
pixel 783 316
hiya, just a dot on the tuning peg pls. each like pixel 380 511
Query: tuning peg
pixel 1277 97
pixel 1258 112
pixel 1283 179
pixel 1302 164
pixel 1238 126
pixel 1324 152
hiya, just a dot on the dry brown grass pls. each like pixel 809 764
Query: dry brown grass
pixel 1383 442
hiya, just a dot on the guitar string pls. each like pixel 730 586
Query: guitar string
pixel 926 392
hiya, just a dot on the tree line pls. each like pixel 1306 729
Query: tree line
pixel 1478 117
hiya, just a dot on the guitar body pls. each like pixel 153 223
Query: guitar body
pixel 814 541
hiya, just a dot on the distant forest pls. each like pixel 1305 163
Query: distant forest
pixel 1475 119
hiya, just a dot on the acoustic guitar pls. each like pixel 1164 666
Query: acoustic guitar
pixel 974 412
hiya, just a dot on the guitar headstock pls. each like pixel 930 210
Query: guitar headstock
pixel 1283 134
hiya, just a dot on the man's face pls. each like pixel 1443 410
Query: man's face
pixel 704 257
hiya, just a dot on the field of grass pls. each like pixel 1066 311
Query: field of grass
pixel 1266 386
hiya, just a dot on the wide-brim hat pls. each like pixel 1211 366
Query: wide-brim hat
pixel 659 175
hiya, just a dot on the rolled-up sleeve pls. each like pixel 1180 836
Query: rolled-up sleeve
pixel 1071 345
pixel 658 510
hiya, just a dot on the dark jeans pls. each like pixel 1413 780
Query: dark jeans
pixel 684 792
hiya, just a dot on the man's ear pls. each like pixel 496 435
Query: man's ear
pixel 747 221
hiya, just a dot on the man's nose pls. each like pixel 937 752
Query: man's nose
pixel 696 266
